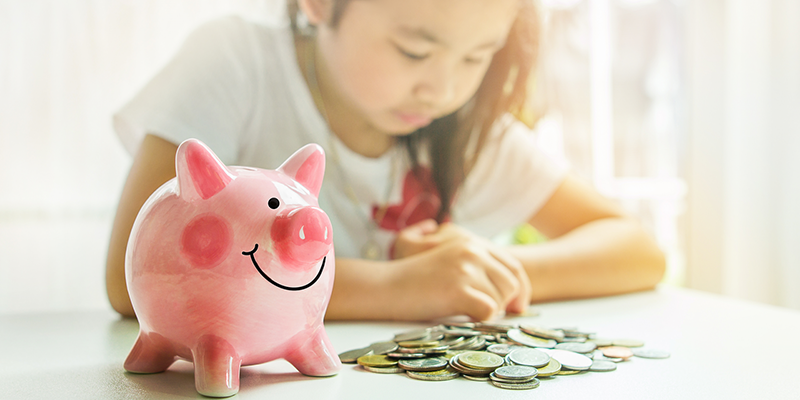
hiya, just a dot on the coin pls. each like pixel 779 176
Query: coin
pixel 599 342
pixel 350 356
pixel 568 372
pixel 530 357
pixel 423 364
pixel 599 356
pixel 383 347
pixel 516 372
pixel 475 377
pixel 406 356
pixel 577 347
pixel 617 352
pixel 423 350
pixel 550 369
pixel 456 364
pixel 650 353
pixel 480 360
pixel 439 375
pixel 533 384
pixel 418 343
pixel 502 350
pixel 542 332
pixel 412 335
pixel 602 366
pixel 530 341
pixel 571 360
pixel 383 370
pixel 493 376
pixel 376 360
pixel 627 343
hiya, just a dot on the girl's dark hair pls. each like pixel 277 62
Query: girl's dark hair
pixel 503 90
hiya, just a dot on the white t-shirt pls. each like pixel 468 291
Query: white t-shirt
pixel 235 85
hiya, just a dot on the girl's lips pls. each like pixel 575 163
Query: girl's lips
pixel 418 120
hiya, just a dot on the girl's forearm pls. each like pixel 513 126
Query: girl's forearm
pixel 604 257
pixel 359 290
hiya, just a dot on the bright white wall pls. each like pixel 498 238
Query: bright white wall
pixel 743 76
pixel 65 66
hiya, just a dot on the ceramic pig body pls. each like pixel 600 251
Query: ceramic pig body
pixel 232 266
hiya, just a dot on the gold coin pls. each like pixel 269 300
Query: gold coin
pixel 600 342
pixel 550 369
pixel 627 343
pixel 451 353
pixel 568 372
pixel 376 360
pixel 482 360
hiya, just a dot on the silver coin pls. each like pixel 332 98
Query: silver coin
pixel 493 376
pixel 650 353
pixel 440 375
pixel 577 339
pixel 423 364
pixel 530 341
pixel 383 370
pixel 350 356
pixel 533 384
pixel 599 356
pixel 577 347
pixel 406 356
pixel 571 360
pixel 603 366
pixel 502 350
pixel 423 350
pixel 416 334
pixel 516 372
pixel 383 347
pixel 529 357
pixel 475 377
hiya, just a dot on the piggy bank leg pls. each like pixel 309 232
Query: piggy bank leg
pixel 316 357
pixel 150 354
pixel 216 367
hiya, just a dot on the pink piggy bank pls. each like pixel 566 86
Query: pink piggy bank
pixel 232 266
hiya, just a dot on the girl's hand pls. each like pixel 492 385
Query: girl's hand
pixel 446 270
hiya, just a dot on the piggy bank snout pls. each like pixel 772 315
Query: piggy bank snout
pixel 302 236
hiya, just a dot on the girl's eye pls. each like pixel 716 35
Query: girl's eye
pixel 474 60
pixel 410 55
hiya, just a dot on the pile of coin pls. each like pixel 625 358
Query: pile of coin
pixel 507 356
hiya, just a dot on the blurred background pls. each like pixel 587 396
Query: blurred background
pixel 687 112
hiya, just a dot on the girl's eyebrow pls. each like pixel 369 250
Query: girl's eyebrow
pixel 423 34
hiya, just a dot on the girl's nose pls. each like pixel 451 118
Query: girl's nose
pixel 436 88
pixel 302 236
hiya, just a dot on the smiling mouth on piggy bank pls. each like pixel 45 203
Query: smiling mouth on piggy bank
pixel 252 253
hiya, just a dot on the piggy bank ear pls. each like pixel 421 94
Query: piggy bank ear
pixel 306 166
pixel 200 173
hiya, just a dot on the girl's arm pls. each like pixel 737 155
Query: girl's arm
pixel 594 249
pixel 153 164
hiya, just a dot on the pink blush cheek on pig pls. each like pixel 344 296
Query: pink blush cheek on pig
pixel 206 240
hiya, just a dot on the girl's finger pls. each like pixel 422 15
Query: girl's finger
pixel 477 305
pixel 522 300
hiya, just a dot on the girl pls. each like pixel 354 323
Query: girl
pixel 412 100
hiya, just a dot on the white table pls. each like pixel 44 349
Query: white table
pixel 721 349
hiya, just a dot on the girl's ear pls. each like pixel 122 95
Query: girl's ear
pixel 317 11
pixel 199 172
pixel 306 166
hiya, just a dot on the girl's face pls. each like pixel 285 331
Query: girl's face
pixel 402 63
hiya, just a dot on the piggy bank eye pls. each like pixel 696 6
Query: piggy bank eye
pixel 274 203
